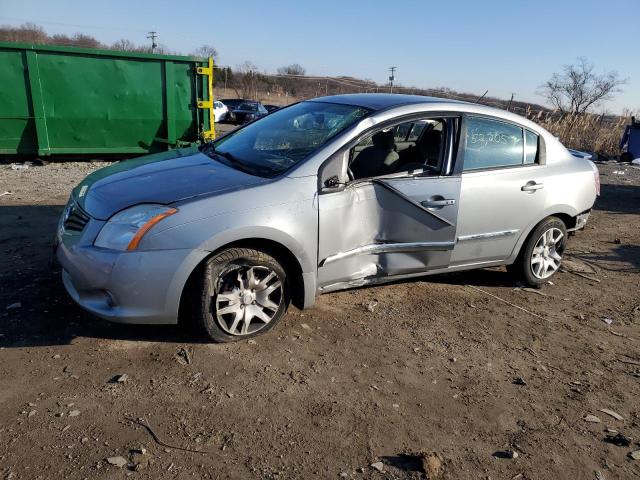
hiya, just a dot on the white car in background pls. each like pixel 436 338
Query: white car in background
pixel 220 111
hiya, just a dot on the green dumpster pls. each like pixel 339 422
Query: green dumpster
pixel 65 100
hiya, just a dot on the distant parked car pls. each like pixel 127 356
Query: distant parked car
pixel 272 108
pixel 231 104
pixel 220 111
pixel 246 112
pixel 327 194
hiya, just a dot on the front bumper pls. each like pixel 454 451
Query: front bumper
pixel 127 287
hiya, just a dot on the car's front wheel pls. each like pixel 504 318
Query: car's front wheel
pixel 541 255
pixel 244 293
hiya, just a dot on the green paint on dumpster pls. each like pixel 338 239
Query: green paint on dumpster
pixel 65 100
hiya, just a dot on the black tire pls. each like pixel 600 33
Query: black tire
pixel 220 272
pixel 522 268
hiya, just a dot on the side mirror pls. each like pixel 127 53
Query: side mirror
pixel 333 182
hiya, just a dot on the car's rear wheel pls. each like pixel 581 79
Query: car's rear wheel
pixel 244 293
pixel 541 255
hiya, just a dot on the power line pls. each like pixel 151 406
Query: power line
pixel 75 25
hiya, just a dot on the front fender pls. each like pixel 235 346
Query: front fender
pixel 262 233
pixel 283 212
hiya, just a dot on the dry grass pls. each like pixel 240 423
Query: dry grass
pixel 591 133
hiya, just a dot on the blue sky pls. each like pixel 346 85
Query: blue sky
pixel 504 46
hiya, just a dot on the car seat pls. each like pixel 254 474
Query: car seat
pixel 430 148
pixel 425 154
pixel 378 159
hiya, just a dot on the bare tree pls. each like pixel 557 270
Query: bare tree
pixel 27 32
pixel 578 88
pixel 293 69
pixel 77 40
pixel 206 51
pixel 291 85
pixel 125 45
pixel 248 78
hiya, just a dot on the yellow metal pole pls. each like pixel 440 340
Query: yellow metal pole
pixel 208 103
pixel 212 121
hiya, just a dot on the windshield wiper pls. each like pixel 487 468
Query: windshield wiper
pixel 232 160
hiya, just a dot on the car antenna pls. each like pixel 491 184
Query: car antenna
pixel 481 96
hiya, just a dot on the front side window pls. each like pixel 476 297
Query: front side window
pixel 277 142
pixel 492 144
pixel 409 146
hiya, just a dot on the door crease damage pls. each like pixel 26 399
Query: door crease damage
pixel 385 235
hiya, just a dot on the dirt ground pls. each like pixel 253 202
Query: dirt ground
pixel 368 375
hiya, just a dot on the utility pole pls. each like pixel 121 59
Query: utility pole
pixel 392 77
pixel 509 106
pixel 152 36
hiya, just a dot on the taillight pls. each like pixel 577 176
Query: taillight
pixel 596 178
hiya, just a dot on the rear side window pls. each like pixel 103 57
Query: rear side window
pixel 492 144
pixel 530 147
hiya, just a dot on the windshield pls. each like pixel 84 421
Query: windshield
pixel 278 141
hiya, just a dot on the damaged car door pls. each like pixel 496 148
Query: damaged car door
pixel 400 223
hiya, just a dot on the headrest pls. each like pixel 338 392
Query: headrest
pixel 383 139
pixel 430 143
pixel 432 136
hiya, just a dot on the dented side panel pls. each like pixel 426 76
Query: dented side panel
pixel 380 228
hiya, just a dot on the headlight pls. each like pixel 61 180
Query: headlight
pixel 125 229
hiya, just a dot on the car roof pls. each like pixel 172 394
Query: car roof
pixel 388 101
pixel 381 101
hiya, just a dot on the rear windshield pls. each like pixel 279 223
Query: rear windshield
pixel 251 107
pixel 279 141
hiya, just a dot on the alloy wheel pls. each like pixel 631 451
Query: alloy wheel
pixel 247 299
pixel 547 253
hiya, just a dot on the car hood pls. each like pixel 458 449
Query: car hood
pixel 161 178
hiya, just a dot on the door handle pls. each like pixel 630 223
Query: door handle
pixel 531 186
pixel 438 203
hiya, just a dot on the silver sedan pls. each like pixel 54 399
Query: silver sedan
pixel 330 193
